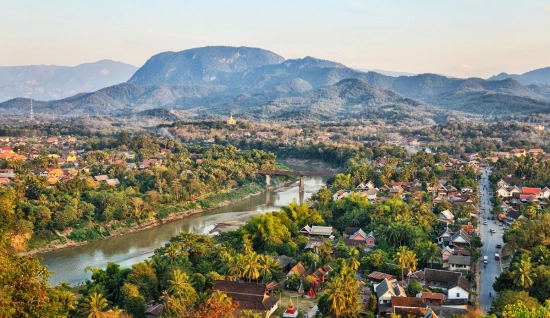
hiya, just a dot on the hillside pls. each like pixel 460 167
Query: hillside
pixel 348 99
pixel 541 75
pixel 49 82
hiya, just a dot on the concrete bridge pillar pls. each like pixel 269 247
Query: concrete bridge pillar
pixel 301 183
pixel 267 180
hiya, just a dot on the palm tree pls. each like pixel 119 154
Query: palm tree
pixel 235 266
pixel 93 306
pixel 336 290
pixel 66 299
pixel 353 263
pixel 401 257
pixel 523 274
pixel 251 266
pixel 268 266
pixel 179 281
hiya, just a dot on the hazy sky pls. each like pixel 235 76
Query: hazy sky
pixel 460 38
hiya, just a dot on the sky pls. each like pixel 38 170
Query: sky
pixel 465 38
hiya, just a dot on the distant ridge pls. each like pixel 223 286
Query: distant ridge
pixel 49 82
pixel 541 76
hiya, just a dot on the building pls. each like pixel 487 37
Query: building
pixel 457 287
pixel 386 290
pixel 459 263
pixel 251 296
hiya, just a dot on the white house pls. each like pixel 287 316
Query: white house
pixel 385 290
pixel 457 287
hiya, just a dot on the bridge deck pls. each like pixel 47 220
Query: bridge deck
pixel 296 173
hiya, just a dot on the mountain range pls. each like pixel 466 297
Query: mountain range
pixel 259 84
pixel 50 82
pixel 539 76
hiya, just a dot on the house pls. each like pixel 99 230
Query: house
pixel 459 263
pixel 101 178
pixel 414 312
pixel 536 151
pixel 112 182
pixel 55 172
pixel 4 181
pixel 407 302
pixel 251 296
pixel 315 230
pixel 386 290
pixel 446 253
pixel 284 262
pixel 360 238
pixel 446 217
pixel 371 194
pixel 154 311
pixel 320 275
pixel 460 239
pixel 378 277
pixel 435 299
pixel 457 287
pixel 298 269
pixel 518 152
pixel 340 194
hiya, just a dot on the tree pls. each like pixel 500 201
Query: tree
pixel 507 297
pixel 133 302
pixel 414 288
pixel 251 267
pixel 93 306
pixel 522 272
pixel 269 267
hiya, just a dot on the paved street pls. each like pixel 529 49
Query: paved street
pixel 492 270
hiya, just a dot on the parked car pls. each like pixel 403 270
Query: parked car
pixel 497 257
pixel 499 246
pixel 492 231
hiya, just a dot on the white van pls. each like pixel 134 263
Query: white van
pixel 485 259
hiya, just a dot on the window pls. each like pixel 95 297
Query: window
pixel 457 294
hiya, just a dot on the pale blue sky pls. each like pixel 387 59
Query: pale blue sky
pixel 460 38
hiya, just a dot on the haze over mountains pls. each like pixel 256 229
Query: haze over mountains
pixel 259 84
pixel 49 82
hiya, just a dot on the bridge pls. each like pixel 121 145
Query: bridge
pixel 302 174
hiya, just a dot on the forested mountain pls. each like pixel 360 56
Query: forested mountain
pixel 261 84
pixel 541 75
pixel 49 82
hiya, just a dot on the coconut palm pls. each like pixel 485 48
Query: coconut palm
pixel 179 281
pixel 336 290
pixel 353 263
pixel 93 306
pixel 251 266
pixel 66 299
pixel 401 257
pixel 268 266
pixel 522 273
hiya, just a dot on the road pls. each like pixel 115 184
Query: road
pixel 489 273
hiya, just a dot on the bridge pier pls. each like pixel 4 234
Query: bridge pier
pixel 301 183
pixel 267 180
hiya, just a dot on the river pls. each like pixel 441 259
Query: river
pixel 68 264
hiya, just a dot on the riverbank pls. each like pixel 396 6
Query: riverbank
pixel 65 242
